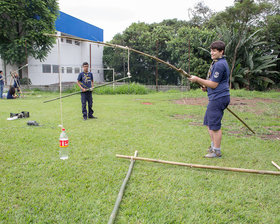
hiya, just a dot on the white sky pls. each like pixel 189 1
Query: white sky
pixel 115 16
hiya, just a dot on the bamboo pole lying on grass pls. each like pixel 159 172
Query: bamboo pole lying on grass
pixel 120 195
pixel 278 167
pixel 201 166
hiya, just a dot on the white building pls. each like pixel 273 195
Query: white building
pixel 70 56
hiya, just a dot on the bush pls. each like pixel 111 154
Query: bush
pixel 25 81
pixel 132 88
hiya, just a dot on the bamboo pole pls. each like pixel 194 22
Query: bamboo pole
pixel 278 167
pixel 201 166
pixel 90 89
pixel 234 114
pixel 183 72
pixel 120 195
pixel 124 48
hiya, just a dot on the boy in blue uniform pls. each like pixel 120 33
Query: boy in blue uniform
pixel 217 87
pixel 85 81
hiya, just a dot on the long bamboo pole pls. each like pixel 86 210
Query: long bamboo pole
pixel 144 54
pixel 90 89
pixel 120 195
pixel 201 166
pixel 124 48
pixel 278 167
pixel 235 115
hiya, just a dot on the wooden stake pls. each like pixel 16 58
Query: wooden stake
pixel 120 195
pixel 278 167
pixel 201 166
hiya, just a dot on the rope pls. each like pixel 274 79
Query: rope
pixel 128 67
pixel 59 77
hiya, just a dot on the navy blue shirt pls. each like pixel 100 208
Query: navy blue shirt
pixel 9 95
pixel 85 79
pixel 220 74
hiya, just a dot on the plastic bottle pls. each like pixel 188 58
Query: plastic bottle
pixel 63 145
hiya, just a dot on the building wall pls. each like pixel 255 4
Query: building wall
pixel 72 55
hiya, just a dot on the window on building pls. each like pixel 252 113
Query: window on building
pixel 77 43
pixel 55 68
pixel 62 69
pixel 61 39
pixel 69 69
pixel 77 70
pixel 98 71
pixel 46 68
pixel 68 41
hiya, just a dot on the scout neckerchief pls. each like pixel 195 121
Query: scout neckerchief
pixel 210 69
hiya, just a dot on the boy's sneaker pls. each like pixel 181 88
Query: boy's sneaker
pixel 213 154
pixel 85 118
pixel 92 117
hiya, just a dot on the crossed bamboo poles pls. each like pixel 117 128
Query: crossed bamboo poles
pixel 184 73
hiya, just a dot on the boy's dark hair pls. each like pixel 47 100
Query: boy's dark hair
pixel 85 63
pixel 219 45
pixel 12 90
pixel 1 71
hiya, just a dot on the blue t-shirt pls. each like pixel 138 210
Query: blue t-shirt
pixel 220 74
pixel 85 79
pixel 1 80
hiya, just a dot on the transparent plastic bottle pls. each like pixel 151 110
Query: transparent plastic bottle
pixel 63 145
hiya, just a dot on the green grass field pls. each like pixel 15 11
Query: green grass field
pixel 37 187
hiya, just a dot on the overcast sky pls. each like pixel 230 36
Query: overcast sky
pixel 115 16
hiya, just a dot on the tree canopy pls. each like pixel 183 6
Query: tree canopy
pixel 23 24
pixel 249 28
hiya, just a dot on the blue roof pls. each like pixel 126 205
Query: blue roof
pixel 76 27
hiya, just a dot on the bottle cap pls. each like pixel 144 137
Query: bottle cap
pixel 63 129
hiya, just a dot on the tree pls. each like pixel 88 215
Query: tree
pixel 23 24
pixel 200 15
pixel 200 39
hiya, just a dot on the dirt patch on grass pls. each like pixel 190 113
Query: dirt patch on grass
pixel 147 103
pixel 182 116
pixel 234 101
pixel 253 105
pixel 270 135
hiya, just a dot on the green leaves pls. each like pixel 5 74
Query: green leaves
pixel 23 23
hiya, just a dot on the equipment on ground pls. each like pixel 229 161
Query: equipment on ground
pixel 14 116
pixel 32 123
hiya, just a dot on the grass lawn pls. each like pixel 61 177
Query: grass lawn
pixel 37 187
